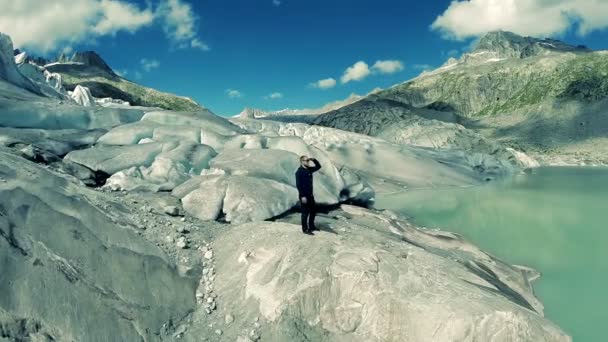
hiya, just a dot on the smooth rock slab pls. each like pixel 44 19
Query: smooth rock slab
pixel 367 283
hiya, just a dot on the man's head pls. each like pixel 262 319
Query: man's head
pixel 305 161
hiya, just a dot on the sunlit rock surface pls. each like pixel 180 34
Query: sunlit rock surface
pixel 372 277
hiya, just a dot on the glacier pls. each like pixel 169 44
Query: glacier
pixel 123 222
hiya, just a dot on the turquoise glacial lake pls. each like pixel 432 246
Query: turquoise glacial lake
pixel 554 220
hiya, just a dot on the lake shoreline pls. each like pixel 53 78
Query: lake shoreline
pixel 548 219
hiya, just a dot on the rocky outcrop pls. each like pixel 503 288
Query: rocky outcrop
pixel 510 45
pixel 372 277
pixel 91 59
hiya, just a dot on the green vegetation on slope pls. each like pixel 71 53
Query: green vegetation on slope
pixel 131 92
pixel 506 86
pixel 104 83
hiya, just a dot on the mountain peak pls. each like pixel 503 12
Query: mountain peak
pixel 510 45
pixel 91 58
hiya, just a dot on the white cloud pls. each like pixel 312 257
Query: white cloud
pixel 464 19
pixel 274 96
pixel 357 72
pixel 198 44
pixel 138 75
pixel 149 64
pixel 324 84
pixel 180 24
pixel 276 2
pixel 117 16
pixel 46 25
pixel 233 94
pixel 388 67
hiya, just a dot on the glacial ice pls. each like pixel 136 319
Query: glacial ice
pixel 82 96
pixel 110 102
pixel 50 84
pixel 239 198
pixel 76 267
pixel 8 69
pixel 170 168
pixel 377 158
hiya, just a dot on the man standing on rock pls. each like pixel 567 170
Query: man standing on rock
pixel 307 199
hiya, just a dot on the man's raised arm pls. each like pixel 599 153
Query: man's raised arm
pixel 317 165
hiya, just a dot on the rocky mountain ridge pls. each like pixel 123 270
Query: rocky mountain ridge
pixel 88 69
pixel 504 89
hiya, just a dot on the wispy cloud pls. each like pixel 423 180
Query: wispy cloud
pixel 179 24
pixel 472 18
pixel 274 96
pixel 234 94
pixel 356 72
pixel 121 72
pixel 326 83
pixel 423 67
pixel 149 64
pixel 198 44
pixel 276 2
pixel 388 67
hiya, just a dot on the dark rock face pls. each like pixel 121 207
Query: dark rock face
pixel 91 58
pixel 39 60
pixel 63 58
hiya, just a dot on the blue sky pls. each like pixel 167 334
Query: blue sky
pixel 247 50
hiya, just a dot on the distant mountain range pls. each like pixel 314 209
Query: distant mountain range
pixel 539 95
pixel 302 114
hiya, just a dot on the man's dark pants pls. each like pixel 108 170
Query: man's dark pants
pixel 308 214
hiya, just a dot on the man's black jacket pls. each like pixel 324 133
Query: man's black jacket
pixel 304 179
